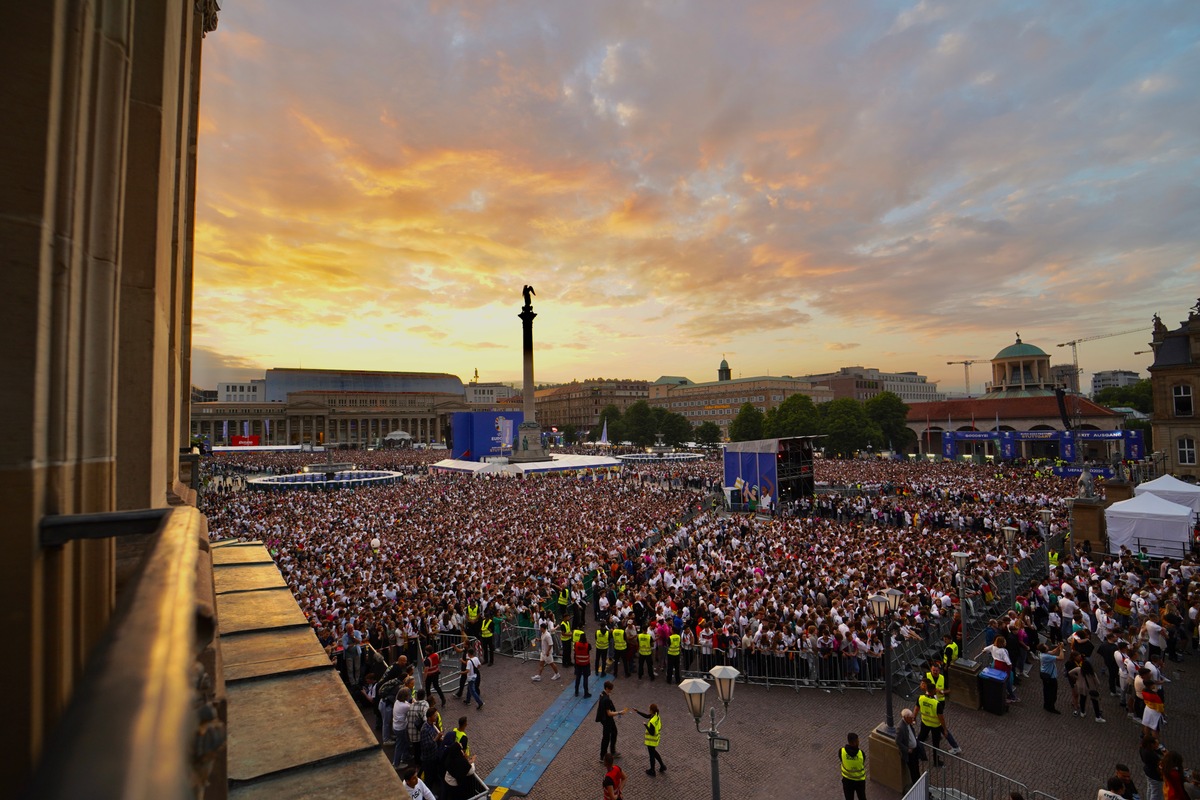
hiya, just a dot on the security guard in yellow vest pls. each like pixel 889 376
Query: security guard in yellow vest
pixel 565 639
pixel 931 723
pixel 936 677
pixel 564 598
pixel 673 651
pixel 487 636
pixel 460 736
pixel 854 768
pixel 949 651
pixel 645 652
pixel 653 735
pixel 473 618
pixel 619 646
pixel 602 638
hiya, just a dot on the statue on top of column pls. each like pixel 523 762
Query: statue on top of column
pixel 528 292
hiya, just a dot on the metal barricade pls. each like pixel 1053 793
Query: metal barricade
pixel 794 669
pixel 958 779
pixel 519 641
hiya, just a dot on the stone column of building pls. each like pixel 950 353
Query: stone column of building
pixel 83 95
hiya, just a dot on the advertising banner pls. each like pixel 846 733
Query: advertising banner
pixel 244 441
pixel 479 434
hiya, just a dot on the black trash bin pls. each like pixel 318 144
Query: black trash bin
pixel 992 694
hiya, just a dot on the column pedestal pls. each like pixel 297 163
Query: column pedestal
pixel 883 761
pixel 528 447
pixel 1088 523
pixel 962 682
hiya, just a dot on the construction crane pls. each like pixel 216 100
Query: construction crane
pixel 966 374
pixel 1074 343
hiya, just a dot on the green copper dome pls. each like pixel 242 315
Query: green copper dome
pixel 1021 350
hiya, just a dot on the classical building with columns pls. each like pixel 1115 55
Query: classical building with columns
pixel 1019 398
pixel 355 408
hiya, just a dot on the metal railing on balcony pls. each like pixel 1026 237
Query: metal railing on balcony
pixel 148 691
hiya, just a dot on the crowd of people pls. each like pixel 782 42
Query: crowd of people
pixel 688 585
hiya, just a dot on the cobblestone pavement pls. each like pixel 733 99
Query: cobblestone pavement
pixel 784 742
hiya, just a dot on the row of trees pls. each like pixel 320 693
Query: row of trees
pixel 641 423
pixel 847 425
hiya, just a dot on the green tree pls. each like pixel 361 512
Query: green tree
pixel 708 433
pixel 1138 396
pixel 847 427
pixel 747 425
pixel 796 416
pixel 890 413
pixel 676 429
pixel 570 435
pixel 612 415
pixel 638 423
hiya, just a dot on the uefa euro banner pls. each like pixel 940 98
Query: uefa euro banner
pixel 751 471
pixel 479 434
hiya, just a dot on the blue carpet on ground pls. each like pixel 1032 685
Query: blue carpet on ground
pixel 519 770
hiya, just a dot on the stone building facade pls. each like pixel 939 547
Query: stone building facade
pixel 1175 383
pixel 96 224
pixel 863 383
pixel 579 403
pixel 720 401
pixel 354 419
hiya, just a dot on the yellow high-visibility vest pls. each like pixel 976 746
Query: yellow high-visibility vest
pixel 673 645
pixel 486 632
pixel 602 639
pixel 644 644
pixel 854 768
pixel 618 635
pixel 929 715
pixel 655 725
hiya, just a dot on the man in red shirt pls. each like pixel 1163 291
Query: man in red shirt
pixel 614 779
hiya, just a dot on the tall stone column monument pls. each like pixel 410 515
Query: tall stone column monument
pixel 528 446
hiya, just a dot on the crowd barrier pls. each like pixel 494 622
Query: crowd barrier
pixel 950 777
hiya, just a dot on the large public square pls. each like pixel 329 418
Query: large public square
pixel 412 556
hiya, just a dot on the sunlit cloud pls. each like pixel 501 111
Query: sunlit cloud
pixel 678 179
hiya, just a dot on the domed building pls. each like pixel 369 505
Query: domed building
pixel 1021 370
pixel 1019 416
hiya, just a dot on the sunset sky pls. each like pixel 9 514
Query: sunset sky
pixel 794 185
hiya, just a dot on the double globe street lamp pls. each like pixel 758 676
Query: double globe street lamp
pixel 960 561
pixel 694 690
pixel 884 606
pixel 1010 533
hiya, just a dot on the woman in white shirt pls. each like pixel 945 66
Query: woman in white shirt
pixel 1003 663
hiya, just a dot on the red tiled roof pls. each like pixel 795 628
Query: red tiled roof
pixel 983 409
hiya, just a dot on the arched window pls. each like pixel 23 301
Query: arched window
pixel 1187 450
pixel 1182 395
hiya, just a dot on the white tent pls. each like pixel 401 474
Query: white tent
pixel 1162 527
pixel 1174 490
pixel 398 436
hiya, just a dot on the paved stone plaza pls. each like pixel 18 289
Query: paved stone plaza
pixel 784 742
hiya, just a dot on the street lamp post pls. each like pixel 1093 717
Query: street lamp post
pixel 1047 516
pixel 960 561
pixel 884 606
pixel 694 690
pixel 1010 533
